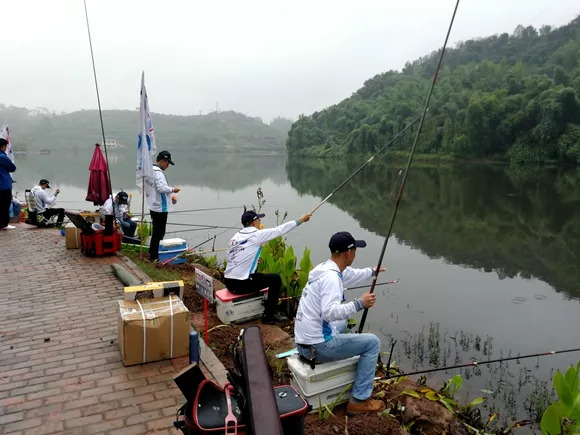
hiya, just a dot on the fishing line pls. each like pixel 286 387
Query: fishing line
pixel 398 202
pixel 476 363
pixel 98 98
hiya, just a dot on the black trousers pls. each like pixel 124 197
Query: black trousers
pixel 5 200
pixel 159 223
pixel 255 283
pixel 50 212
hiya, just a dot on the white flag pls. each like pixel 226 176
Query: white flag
pixel 146 147
pixel 5 134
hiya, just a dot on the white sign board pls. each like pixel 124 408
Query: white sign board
pixel 204 285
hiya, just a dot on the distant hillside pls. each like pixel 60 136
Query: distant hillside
pixel 513 97
pixel 223 131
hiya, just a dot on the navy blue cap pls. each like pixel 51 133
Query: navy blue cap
pixel 343 241
pixel 250 216
pixel 165 155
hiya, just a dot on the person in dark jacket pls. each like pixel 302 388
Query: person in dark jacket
pixel 6 167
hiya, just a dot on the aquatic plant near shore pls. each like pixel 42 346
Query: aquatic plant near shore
pixel 563 416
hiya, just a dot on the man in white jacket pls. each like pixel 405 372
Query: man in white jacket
pixel 323 314
pixel 120 213
pixel 242 259
pixel 45 202
pixel 158 194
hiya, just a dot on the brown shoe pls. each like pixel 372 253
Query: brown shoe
pixel 369 405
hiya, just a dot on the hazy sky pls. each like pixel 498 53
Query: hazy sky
pixel 262 58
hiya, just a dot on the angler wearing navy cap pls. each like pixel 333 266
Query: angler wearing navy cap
pixel 323 314
pixel 242 259
pixel 158 194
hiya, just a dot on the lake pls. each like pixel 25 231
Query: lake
pixel 487 256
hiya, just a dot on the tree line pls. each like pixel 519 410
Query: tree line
pixel 508 97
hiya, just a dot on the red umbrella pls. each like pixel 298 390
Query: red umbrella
pixel 99 186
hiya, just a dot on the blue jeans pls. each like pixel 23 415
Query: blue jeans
pixel 129 226
pixel 343 346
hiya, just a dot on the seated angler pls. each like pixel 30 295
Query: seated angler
pixel 119 210
pixel 45 202
pixel 242 258
pixel 322 318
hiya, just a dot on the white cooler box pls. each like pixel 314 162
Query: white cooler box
pixel 323 385
pixel 233 308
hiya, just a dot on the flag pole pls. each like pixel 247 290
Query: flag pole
pixel 142 216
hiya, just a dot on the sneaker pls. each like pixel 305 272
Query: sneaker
pixel 369 405
pixel 276 318
pixel 8 227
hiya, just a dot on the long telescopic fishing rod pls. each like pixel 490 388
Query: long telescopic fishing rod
pixel 476 363
pixel 287 298
pixel 98 100
pixel 200 209
pixel 390 142
pixel 378 268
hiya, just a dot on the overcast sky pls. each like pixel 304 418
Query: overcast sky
pixel 262 58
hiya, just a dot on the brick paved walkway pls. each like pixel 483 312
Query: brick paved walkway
pixel 60 368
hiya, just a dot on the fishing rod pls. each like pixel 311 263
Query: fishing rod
pixel 287 298
pixel 201 225
pixel 372 157
pixel 402 187
pixel 200 209
pixel 476 363
pixel 166 262
pixel 99 103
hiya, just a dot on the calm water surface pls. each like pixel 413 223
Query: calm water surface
pixel 487 256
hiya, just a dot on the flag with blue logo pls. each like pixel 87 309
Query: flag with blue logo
pixel 146 147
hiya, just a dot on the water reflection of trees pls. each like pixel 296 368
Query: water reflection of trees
pixel 514 221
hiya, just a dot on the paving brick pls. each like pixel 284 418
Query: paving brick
pixel 5 419
pixel 23 424
pixel 82 421
pixel 159 424
pixel 130 384
pixel 81 403
pixel 44 410
pixel 130 430
pixel 158 404
pixel 99 408
pixel 137 400
pixel 121 412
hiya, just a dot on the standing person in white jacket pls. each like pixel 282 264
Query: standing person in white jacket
pixel 159 199
pixel 322 318
pixel 242 259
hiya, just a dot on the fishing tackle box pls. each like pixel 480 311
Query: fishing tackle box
pixel 95 243
pixel 324 384
pixel 233 308
pixel 170 248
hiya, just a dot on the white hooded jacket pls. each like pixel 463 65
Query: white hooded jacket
pixel 321 311
pixel 158 192
pixel 43 200
pixel 245 247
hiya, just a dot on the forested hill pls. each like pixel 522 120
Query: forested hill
pixel 514 97
pixel 224 131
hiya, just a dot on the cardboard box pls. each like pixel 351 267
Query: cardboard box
pixel 171 287
pixel 90 216
pixel 72 236
pixel 155 290
pixel 153 330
